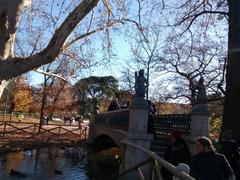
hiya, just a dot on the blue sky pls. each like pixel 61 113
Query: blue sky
pixel 114 67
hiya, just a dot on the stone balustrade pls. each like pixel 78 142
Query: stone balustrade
pixel 118 119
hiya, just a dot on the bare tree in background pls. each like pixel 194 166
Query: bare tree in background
pixel 188 58
pixel 194 14
pixel 147 52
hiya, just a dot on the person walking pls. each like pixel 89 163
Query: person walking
pixel 207 164
pixel 20 117
pixel 177 152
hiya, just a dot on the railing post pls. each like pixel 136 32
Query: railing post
pixel 11 117
pixel 122 165
pixel 151 169
pixel 34 129
pixel 4 128
pixel 85 133
pixel 59 130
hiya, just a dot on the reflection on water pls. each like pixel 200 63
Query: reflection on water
pixel 74 163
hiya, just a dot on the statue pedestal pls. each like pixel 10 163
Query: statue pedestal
pixel 199 123
pixel 138 116
pixel 137 134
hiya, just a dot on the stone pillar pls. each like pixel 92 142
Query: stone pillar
pixel 137 134
pixel 138 116
pixel 199 123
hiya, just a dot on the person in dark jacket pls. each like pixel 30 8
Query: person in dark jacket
pixel 229 148
pixel 208 164
pixel 152 111
pixel 114 105
pixel 177 152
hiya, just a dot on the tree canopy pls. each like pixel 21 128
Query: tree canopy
pixel 97 87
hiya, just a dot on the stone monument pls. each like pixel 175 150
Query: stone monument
pixel 200 113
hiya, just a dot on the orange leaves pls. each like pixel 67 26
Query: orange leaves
pixel 22 99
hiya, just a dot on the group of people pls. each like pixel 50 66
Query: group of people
pixel 114 105
pixel 71 119
pixel 47 118
pixel 207 164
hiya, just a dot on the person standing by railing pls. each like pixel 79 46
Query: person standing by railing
pixel 208 164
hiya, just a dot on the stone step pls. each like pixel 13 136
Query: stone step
pixel 161 154
pixel 161 139
pixel 159 145
pixel 156 149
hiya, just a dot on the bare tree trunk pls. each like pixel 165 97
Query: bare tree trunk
pixel 3 84
pixel 43 104
pixel 10 13
pixel 231 118
pixel 9 17
pixel 56 98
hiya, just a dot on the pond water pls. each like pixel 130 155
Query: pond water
pixel 74 163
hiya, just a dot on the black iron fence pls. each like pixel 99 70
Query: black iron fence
pixel 165 124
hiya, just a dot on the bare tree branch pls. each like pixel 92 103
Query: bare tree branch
pixel 89 33
pixel 195 16
pixel 50 74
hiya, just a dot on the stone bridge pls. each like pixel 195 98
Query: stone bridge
pixel 110 129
